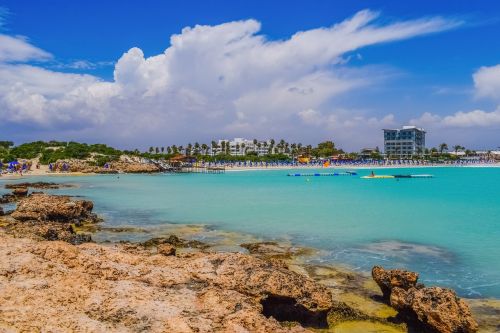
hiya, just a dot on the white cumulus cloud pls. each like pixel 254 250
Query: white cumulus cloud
pixel 210 81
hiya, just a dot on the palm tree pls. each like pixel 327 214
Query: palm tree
pixel 157 150
pixel 204 147
pixel 196 148
pixel 443 147
pixel 151 149
pixel 214 147
pixel 169 150
pixel 162 150
pixel 223 146
pixel 175 150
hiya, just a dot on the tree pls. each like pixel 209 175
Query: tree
pixel 169 150
pixel 157 150
pixel 443 147
pixel 6 144
pixel 151 150
pixel 162 150
pixel 457 148
pixel 204 148
pixel 223 146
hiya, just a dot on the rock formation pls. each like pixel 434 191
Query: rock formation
pixel 95 288
pixel 37 185
pixel 43 207
pixel 435 309
pixel 20 192
pixel 388 279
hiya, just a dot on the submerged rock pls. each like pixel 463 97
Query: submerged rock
pixel 8 198
pixel 37 185
pixel 174 241
pixel 44 207
pixel 20 191
pixel 434 309
pixel 51 231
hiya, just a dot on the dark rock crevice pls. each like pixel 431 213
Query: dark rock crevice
pixel 286 309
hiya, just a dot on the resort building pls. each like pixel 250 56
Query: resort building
pixel 241 147
pixel 405 142
pixel 368 152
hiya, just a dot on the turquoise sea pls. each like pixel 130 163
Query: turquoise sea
pixel 447 228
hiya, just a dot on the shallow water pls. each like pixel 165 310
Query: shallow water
pixel 447 228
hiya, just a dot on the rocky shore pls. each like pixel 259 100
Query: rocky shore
pixel 54 278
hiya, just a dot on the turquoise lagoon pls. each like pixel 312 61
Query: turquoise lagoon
pixel 447 228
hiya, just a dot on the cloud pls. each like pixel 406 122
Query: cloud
pixel 82 65
pixel 475 118
pixel 211 81
pixel 487 82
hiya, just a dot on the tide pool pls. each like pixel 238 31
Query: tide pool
pixel 447 228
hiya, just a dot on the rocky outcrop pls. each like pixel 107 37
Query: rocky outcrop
pixel 37 185
pixel 49 230
pixel 20 192
pixel 134 167
pixel 388 279
pixel 174 241
pixel 166 249
pixel 274 250
pixel 43 207
pixel 434 309
pixel 8 198
pixel 95 288
pixel 437 308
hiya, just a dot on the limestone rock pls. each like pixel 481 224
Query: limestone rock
pixel 437 308
pixel 20 191
pixel 166 249
pixel 37 185
pixel 95 288
pixel 389 279
pixel 44 207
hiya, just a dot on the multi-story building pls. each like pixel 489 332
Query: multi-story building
pixel 240 147
pixel 404 143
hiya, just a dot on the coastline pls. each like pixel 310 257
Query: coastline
pixel 45 173
pixel 354 289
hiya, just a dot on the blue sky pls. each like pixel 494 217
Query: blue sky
pixel 440 74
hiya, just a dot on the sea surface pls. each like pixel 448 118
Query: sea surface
pixel 446 227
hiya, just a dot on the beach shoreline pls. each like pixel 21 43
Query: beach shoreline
pixel 43 172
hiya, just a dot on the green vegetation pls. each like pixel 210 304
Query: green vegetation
pixel 52 151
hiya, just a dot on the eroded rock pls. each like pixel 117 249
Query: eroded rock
pixel 437 308
pixel 174 241
pixel 389 279
pixel 166 249
pixel 43 207
pixel 91 287
pixel 434 309
pixel 37 185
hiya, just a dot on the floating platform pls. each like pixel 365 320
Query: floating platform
pixel 397 176
pixel 322 174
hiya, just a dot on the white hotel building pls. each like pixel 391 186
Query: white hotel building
pixel 241 146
